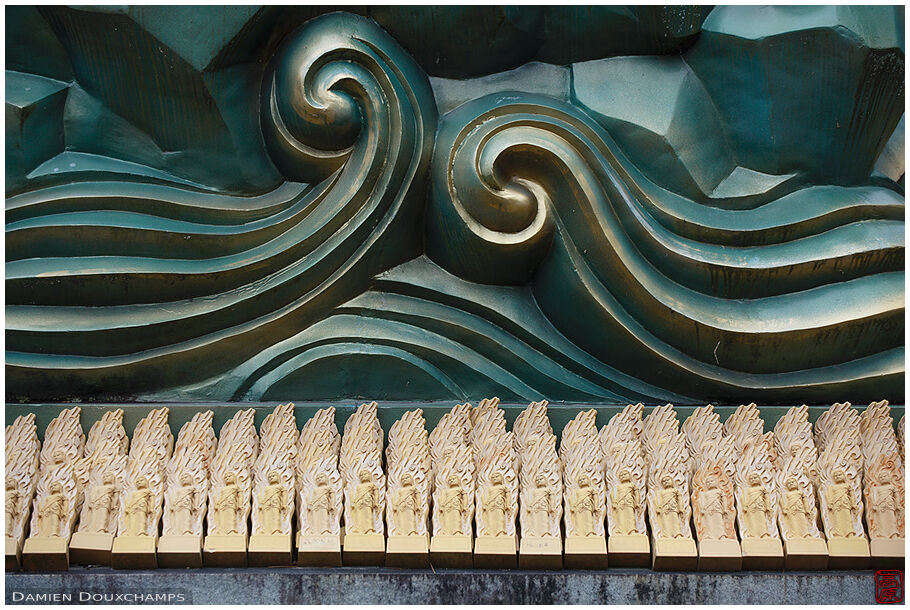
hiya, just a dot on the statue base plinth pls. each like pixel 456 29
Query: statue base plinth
pixel 319 551
pixel 586 553
pixel 364 550
pixel 45 555
pixel 848 554
pixel 222 551
pixel 673 554
pixel 407 552
pixel 180 551
pixel 887 552
pixel 495 552
pixel 629 550
pixel 762 554
pixel 267 551
pixel 805 554
pixel 452 551
pixel 90 548
pixel 719 556
pixel 540 553
pixel 13 554
pixel 134 553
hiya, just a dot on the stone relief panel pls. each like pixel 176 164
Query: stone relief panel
pixel 312 204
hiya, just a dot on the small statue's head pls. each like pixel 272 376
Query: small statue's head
pixel 584 481
pixel 142 483
pixel 364 476
pixel 839 476
pixel 229 478
pixel 59 456
pixel 791 483
pixel 541 479
pixel 10 485
pixel 712 482
pixel 884 477
pixel 754 478
pixel 107 478
pixel 185 479
pixel 496 478
pixel 625 476
pixel 321 479
pixel 407 479
pixel 56 488
pixel 453 480
pixel 667 481
pixel 273 477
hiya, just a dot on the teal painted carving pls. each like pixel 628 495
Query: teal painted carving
pixel 536 183
pixel 848 60
pixel 180 282
pixel 468 41
pixel 253 214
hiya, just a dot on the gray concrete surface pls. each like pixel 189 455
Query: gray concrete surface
pixel 386 586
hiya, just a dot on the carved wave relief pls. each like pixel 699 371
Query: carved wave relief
pixel 509 248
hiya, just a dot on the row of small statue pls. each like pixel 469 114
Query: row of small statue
pixel 797 497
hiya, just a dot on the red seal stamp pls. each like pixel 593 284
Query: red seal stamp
pixel 889 586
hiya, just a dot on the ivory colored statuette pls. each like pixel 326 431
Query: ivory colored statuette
pixel 496 488
pixel 540 489
pixel 92 542
pixel 883 491
pixel 712 501
pixel 22 455
pixel 804 546
pixel 142 496
pixel 58 496
pixel 365 505
pixel 272 505
pixel 757 508
pixel 842 507
pixel 626 503
pixel 452 467
pixel 624 470
pixel 103 472
pixel 584 494
pixel 453 507
pixel 755 489
pixel 497 509
pixel 322 514
pixel 405 504
pixel 669 510
pixel 184 511
pixel 137 509
pixel 884 497
pixel 185 500
pixel 585 508
pixel 714 507
pixel 227 507
pixel 886 504
pixel 274 487
pixel 840 497
pixel 408 492
pixel 101 503
pixel 360 462
pixel 230 492
pixel 797 511
pixel 319 489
